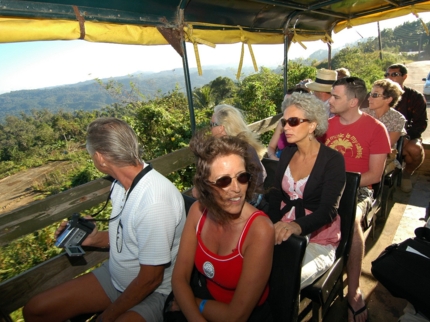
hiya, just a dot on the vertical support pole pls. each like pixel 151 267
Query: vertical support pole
pixel 380 42
pixel 286 40
pixel 188 86
pixel 329 55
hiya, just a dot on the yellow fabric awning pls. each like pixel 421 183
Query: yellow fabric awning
pixel 19 29
pixel 389 14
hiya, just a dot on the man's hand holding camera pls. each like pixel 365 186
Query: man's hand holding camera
pixel 90 240
pixel 78 232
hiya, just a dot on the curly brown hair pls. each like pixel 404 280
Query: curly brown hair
pixel 207 149
pixel 391 89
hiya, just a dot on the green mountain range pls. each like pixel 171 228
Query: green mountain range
pixel 91 95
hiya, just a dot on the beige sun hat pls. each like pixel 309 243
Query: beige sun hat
pixel 324 81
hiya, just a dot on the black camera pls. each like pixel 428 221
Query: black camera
pixel 76 231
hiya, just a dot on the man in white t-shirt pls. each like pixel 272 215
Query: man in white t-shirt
pixel 146 223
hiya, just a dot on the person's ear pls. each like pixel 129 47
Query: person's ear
pixel 100 159
pixel 222 130
pixel 312 127
pixel 353 102
pixel 389 99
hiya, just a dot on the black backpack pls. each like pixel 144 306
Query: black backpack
pixel 404 270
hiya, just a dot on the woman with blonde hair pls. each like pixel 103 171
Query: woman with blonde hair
pixel 228 120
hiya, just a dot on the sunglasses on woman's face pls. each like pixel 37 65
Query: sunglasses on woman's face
pixel 293 121
pixel 375 95
pixel 224 182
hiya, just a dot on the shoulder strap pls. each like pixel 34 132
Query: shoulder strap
pixel 246 228
pixel 136 180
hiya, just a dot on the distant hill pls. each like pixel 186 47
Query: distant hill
pixel 90 95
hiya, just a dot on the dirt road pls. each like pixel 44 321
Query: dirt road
pixel 416 72
pixel 17 190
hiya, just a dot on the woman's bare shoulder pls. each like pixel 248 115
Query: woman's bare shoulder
pixel 195 211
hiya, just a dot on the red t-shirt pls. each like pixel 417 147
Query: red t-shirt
pixel 357 141
pixel 223 272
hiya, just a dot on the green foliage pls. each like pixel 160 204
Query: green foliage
pixel 21 254
pixel 297 72
pixel 223 90
pixel 160 124
pixel 260 95
pixel 203 98
pixel 366 65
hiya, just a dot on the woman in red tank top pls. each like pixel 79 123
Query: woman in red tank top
pixel 225 238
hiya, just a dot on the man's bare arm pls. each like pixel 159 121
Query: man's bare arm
pixel 376 169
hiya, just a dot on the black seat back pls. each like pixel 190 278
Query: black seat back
pixel 399 147
pixel 347 210
pixel 188 202
pixel 285 278
pixel 270 166
pixel 325 289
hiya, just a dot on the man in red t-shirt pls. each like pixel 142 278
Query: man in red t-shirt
pixel 364 143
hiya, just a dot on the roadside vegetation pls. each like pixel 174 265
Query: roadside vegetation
pixel 162 125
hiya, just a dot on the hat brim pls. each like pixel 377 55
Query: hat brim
pixel 314 86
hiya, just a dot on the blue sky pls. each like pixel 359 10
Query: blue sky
pixel 34 65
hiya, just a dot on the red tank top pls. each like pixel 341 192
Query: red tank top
pixel 223 272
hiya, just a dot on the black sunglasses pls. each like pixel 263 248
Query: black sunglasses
pixel 293 121
pixel 351 80
pixel 214 124
pixel 223 182
pixel 395 74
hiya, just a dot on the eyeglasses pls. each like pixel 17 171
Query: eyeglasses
pixel 293 121
pixel 119 237
pixel 395 74
pixel 224 182
pixel 375 95
pixel 214 124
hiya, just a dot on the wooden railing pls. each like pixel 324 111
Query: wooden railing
pixel 15 292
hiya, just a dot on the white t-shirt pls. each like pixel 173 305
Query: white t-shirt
pixel 147 231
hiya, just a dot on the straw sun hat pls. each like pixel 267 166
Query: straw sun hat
pixel 324 81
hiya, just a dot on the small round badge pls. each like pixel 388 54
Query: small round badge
pixel 209 269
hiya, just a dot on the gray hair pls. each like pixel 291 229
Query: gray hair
pixel 312 107
pixel 115 140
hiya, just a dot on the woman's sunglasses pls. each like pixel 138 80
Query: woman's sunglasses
pixel 293 121
pixel 375 95
pixel 223 182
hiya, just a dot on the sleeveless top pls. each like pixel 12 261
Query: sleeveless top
pixel 222 272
